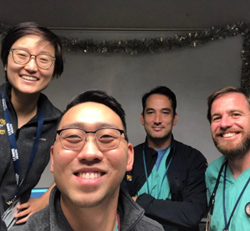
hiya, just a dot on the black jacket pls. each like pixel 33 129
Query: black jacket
pixel 25 139
pixel 186 177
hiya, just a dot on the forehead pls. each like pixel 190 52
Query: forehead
pixel 31 42
pixel 91 113
pixel 230 101
pixel 158 101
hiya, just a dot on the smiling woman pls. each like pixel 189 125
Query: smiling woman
pixel 23 71
pixel 31 56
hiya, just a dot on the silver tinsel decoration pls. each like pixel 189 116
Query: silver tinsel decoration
pixel 156 45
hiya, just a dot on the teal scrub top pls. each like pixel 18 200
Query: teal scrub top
pixel 240 220
pixel 157 184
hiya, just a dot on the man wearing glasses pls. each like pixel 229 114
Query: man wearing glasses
pixel 89 158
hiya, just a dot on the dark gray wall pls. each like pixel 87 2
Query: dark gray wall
pixel 192 73
pixel 145 14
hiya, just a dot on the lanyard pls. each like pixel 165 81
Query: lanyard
pixel 146 172
pixel 237 202
pixel 212 198
pixel 118 223
pixel 13 144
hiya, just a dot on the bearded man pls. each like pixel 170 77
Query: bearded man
pixel 228 177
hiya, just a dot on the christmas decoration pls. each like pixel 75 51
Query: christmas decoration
pixel 156 45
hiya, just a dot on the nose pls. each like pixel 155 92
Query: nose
pixel 226 122
pixel 31 66
pixel 90 151
pixel 157 118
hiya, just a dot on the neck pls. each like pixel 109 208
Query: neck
pixel 91 218
pixel 239 165
pixel 24 105
pixel 159 143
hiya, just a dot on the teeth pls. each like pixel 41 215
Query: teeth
pixel 91 175
pixel 228 135
pixel 30 78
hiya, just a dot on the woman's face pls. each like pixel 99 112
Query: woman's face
pixel 29 78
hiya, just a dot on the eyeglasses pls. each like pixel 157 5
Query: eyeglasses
pixel 23 57
pixel 75 138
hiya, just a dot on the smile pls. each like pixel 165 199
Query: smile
pixel 228 135
pixel 29 78
pixel 89 175
pixel 157 128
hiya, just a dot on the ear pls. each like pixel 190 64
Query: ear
pixel 175 119
pixel 5 67
pixel 130 159
pixel 142 119
pixel 51 159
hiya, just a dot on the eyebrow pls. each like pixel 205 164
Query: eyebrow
pixel 83 125
pixel 27 50
pixel 230 112
pixel 215 114
pixel 162 109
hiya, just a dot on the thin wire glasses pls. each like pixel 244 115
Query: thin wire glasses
pixel 75 138
pixel 22 57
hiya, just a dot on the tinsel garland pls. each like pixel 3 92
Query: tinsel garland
pixel 156 45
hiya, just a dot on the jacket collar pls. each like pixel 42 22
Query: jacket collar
pixel 130 212
pixel 49 111
pixel 153 151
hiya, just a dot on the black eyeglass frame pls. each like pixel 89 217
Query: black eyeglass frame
pixel 20 63
pixel 94 132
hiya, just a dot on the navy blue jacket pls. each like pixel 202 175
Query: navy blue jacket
pixel 186 177
pixel 25 139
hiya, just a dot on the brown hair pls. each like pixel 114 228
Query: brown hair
pixel 221 92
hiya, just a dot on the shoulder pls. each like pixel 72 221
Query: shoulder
pixel 38 221
pixel 212 173
pixel 2 86
pixel 187 151
pixel 147 224
pixel 49 110
pixel 139 147
pixel 133 217
pixel 214 167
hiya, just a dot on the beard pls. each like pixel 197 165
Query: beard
pixel 236 152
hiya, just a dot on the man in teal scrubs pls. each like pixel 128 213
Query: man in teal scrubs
pixel 228 177
pixel 168 177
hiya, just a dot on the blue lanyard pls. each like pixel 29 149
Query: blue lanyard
pixel 237 202
pixel 13 144
pixel 146 172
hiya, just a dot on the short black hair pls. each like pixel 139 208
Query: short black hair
pixel 163 91
pixel 31 28
pixel 101 97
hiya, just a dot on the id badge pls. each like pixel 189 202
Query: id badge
pixel 8 215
